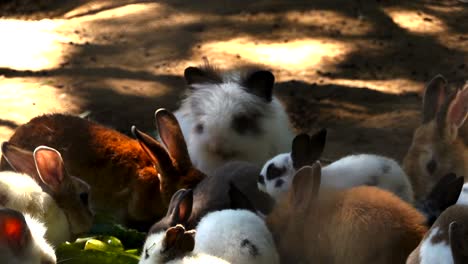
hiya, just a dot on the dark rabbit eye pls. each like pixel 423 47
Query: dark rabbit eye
pixel 243 124
pixel 199 128
pixel 431 166
pixel 84 196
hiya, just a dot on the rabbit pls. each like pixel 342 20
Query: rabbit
pixel 120 170
pixel 447 240
pixel 234 235
pixel 22 239
pixel 212 194
pixel 362 224
pixel 350 171
pixel 174 246
pixel 232 116
pixel 48 193
pixel 439 143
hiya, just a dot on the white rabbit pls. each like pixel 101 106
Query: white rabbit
pixel 174 246
pixel 22 239
pixel 232 116
pixel 236 236
pixel 63 208
pixel 350 171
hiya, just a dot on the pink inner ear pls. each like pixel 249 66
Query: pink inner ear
pixel 50 167
pixel 459 108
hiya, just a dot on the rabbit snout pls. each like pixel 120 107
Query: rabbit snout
pixel 221 151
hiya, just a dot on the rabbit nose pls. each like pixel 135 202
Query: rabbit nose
pixel 221 152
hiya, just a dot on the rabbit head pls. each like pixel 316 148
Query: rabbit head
pixel 276 175
pixel 232 116
pixel 22 240
pixel 172 161
pixel 439 143
pixel 46 167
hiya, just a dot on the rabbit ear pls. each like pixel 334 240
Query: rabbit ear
pixel 458 242
pixel 305 186
pixel 156 152
pixel 14 231
pixel 306 150
pixel 453 114
pixel 21 160
pixel 171 135
pixel 177 241
pixel 260 83
pixel 208 74
pixel 182 209
pixel 434 97
pixel 50 167
pixel 238 199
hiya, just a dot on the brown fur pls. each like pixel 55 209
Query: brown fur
pixel 437 139
pixel 122 176
pixel 358 225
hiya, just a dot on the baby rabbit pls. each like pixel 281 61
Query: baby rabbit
pixel 174 246
pixel 62 202
pixel 357 225
pixel 439 143
pixel 447 240
pixel 22 240
pixel 350 171
pixel 237 236
pixel 232 116
pixel 120 170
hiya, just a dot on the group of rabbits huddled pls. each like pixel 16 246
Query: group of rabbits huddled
pixel 201 193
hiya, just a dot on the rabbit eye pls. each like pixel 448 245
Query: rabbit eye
pixel 199 128
pixel 431 166
pixel 84 196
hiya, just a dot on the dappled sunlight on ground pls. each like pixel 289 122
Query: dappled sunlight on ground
pixel 417 21
pixel 294 55
pixel 31 45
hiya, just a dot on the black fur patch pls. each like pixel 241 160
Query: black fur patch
pixel 247 123
pixel 274 172
pixel 253 250
pixel 261 180
pixel 279 183
pixel 385 168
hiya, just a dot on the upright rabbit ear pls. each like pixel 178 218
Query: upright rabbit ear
pixel 208 74
pixel 20 160
pixel 14 231
pixel 238 199
pixel 306 150
pixel 155 151
pixel 182 209
pixel 50 167
pixel 458 242
pixel 453 115
pixel 172 137
pixel 260 83
pixel 306 186
pixel 434 97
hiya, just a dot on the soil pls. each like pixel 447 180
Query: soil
pixel 355 67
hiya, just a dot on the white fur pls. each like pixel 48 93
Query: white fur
pixel 347 172
pixel 152 247
pixel 463 198
pixel 38 251
pixel 23 194
pixel 223 234
pixel 430 253
pixel 218 104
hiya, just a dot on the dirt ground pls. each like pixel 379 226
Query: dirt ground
pixel 355 67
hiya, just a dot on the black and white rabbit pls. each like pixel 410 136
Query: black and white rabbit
pixel 232 116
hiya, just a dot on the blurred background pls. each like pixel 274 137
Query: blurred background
pixel 356 67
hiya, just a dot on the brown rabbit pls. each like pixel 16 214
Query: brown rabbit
pixel 358 225
pixel 439 144
pixel 121 171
